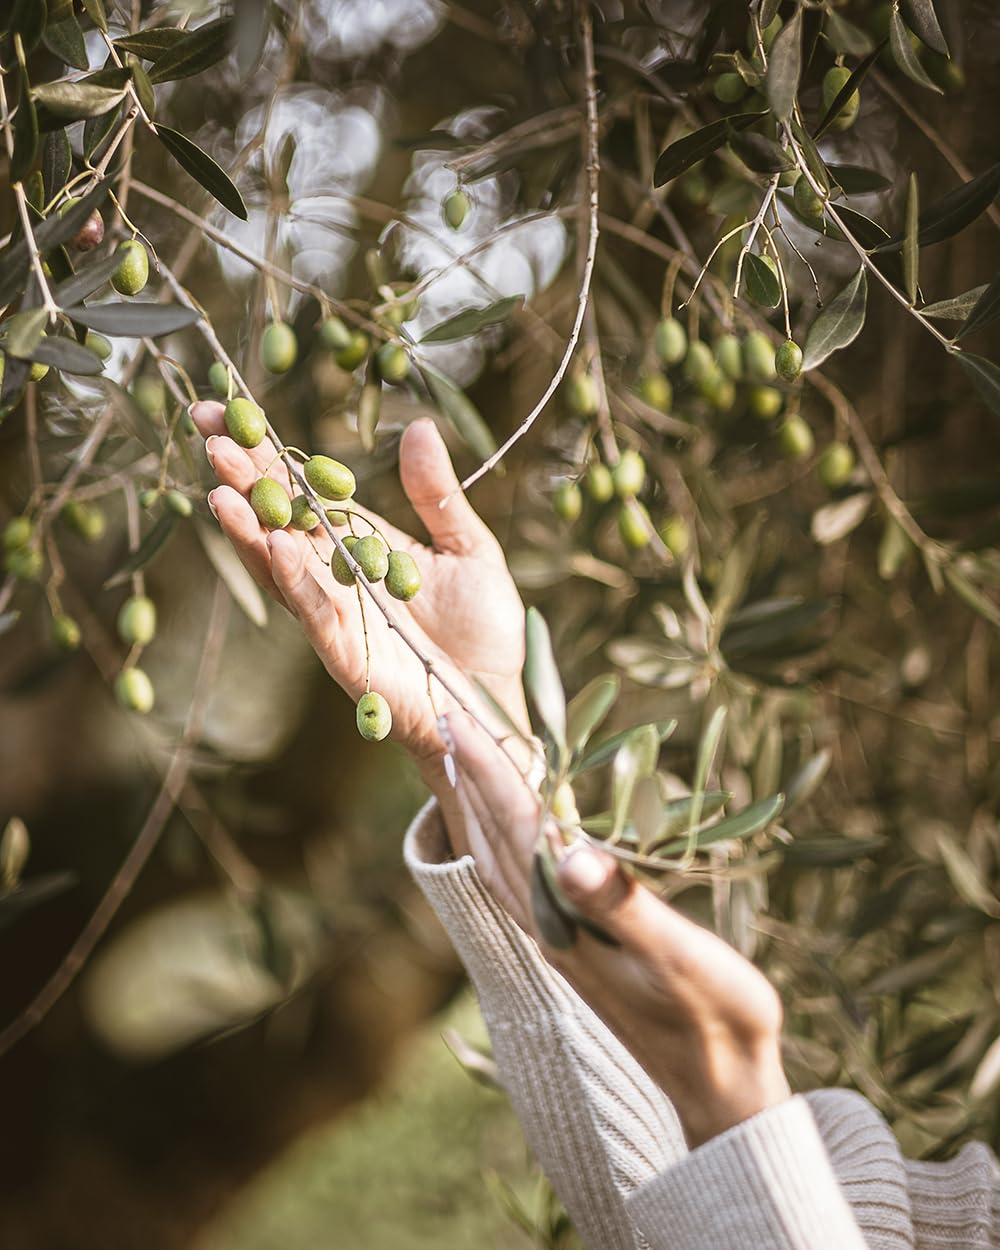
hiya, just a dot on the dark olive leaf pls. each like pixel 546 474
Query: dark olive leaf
pixel 588 708
pixel 743 825
pixel 761 154
pixel 197 51
pixel 845 37
pixel 203 169
pixel 133 320
pixel 471 320
pixel 253 18
pixel 761 284
pixel 905 55
pixel 57 162
pixel 147 549
pixel 434 141
pixel 683 153
pixel 14 378
pixel 153 43
pixel 85 281
pixel 985 311
pixel 985 376
pixel 28 19
pixel 74 99
pixel 65 39
pixel 814 162
pixel 867 232
pixel 25 133
pixel 847 90
pixel 554 927
pixel 23 332
pixel 854 180
pixel 784 68
pixel 604 750
pixel 911 247
pixel 954 211
pixel 144 89
pixel 839 323
pixel 922 18
pixel 830 852
pixel 460 411
pixel 97 129
pixel 58 10
pixel 541 678
pixel 68 355
pixel 677 812
pixel 708 750
pixel 96 13
pixel 708 35
pixel 767 12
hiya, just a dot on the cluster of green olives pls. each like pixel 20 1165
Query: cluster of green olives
pixel 136 627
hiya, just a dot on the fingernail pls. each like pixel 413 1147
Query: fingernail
pixel 583 871
pixel 211 504
pixel 208 449
pixel 191 408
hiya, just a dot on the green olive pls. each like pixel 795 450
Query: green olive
pixel 148 497
pixel 796 438
pixel 670 341
pixel 676 536
pixel 374 717
pixel 836 464
pixel 329 478
pixel 729 88
pixel 581 395
pixel 270 502
pixel 336 517
pixel 719 390
pixel 629 474
pixel 18 532
pixel 245 422
pixel 393 363
pixel 599 483
pixel 567 500
pixel 402 580
pixel 371 555
pixel 303 514
pixel 634 525
pixel 38 371
pixel 218 379
pixel 98 344
pixel 758 357
pixel 132 273
pixel 655 390
pixel 729 356
pixel 764 402
pixel 456 208
pixel 150 395
pixel 699 362
pixel 279 348
pixel 24 563
pixel 86 519
pixel 788 360
pixel 356 351
pixel 334 334
pixel 178 503
pixel 339 567
pixel 808 204
pixel 134 690
pixel 137 621
pixel 65 632
pixel 834 80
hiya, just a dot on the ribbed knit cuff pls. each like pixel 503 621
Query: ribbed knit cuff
pixel 765 1184
pixel 956 1202
pixel 502 959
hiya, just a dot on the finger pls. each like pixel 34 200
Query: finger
pixel 295 576
pixel 428 477
pixel 241 527
pixel 209 418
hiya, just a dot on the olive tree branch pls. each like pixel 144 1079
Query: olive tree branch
pixel 755 226
pixel 593 178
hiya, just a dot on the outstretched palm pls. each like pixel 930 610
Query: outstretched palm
pixel 468 618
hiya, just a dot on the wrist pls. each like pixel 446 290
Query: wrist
pixel 435 778
pixel 741 1087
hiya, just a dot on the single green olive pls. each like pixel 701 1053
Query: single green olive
pixel 218 379
pixel 456 208
pixel 670 341
pixel 137 621
pixel 98 344
pixel 836 464
pixel 339 567
pixel 334 334
pixel 655 390
pixel 599 483
pixel 567 500
pixel 765 402
pixel 788 360
pixel 18 532
pixel 245 422
pixel 279 347
pixel 758 357
pixel 402 580
pixel 134 690
pixel 729 356
pixel 178 503
pixel 834 80
pixel 86 519
pixel 374 717
pixel 629 474
pixel 150 394
pixel 676 536
pixel 38 371
pixel 393 363
pixel 336 517
pixel 24 563
pixel 581 394
pixel 132 273
pixel 796 438
pixel 329 478
pixel 808 204
pixel 634 525
pixel 65 632
pixel 699 362
pixel 729 88
pixel 270 502
pixel 371 554
pixel 303 514
pixel 356 351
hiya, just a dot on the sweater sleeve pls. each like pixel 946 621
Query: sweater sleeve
pixel 821 1171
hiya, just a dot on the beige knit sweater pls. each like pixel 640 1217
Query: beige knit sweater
pixel 821 1171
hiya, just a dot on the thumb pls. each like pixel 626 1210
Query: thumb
pixel 427 475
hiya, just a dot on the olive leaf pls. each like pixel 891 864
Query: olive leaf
pixel 25 132
pixel 471 320
pixel 153 43
pixel 688 151
pixel 905 55
pixel 847 90
pixel 230 568
pixel 144 90
pixel 23 332
pixel 985 311
pixel 761 154
pixel 767 11
pixel 86 280
pixel 460 411
pixel 541 677
pixel 911 245
pixel 65 39
pixel 839 323
pixel 605 749
pixel 985 377
pixel 253 17
pixel 922 18
pixel 676 815
pixel 744 824
pixel 57 162
pixel 634 760
pixel 133 320
pixel 146 550
pixel 844 36
pixel 830 852
pixel 74 99
pixel 203 169
pixel 957 308
pixel 708 749
pixel 761 283
pixel 954 211
pixel 972 595
pixel 804 783
pixel 67 355
pixel 784 68
pixel 589 707
pixel 196 51
pixel 96 13
pixel 97 129
pixel 855 180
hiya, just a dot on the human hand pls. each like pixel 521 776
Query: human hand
pixel 702 1020
pixel 468 617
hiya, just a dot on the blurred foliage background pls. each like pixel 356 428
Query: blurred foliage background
pixel 272 968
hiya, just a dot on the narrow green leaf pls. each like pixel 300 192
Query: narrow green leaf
pixel 707 751
pixel 905 56
pixel 743 825
pixel 203 169
pixel 683 153
pixel 767 12
pixel 147 549
pixel 830 852
pixel 985 311
pixel 854 180
pixel 634 760
pixel 761 154
pixel 25 133
pixel 966 877
pixel 954 211
pixel 604 750
pixel 95 10
pixel 74 99
pixel 957 308
pixel 13 381
pixel 460 411
pixel 985 377
pixel 471 320
pixel 847 90
pixel 144 89
pixel 911 246
pixel 922 18
pixel 844 36
pixel 784 68
pixel 97 129
pixel 588 708
pixel 67 355
pixel 151 44
pixel 253 18
pixel 541 678
pixel 761 284
pixel 838 324
pixel 197 51
pixel 57 162
pixel 677 813
pixel 804 783
pixel 814 161
pixel 65 39
pixel 133 320
pixel 230 568
pixel 86 280
pixel 972 595
pixel 23 332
